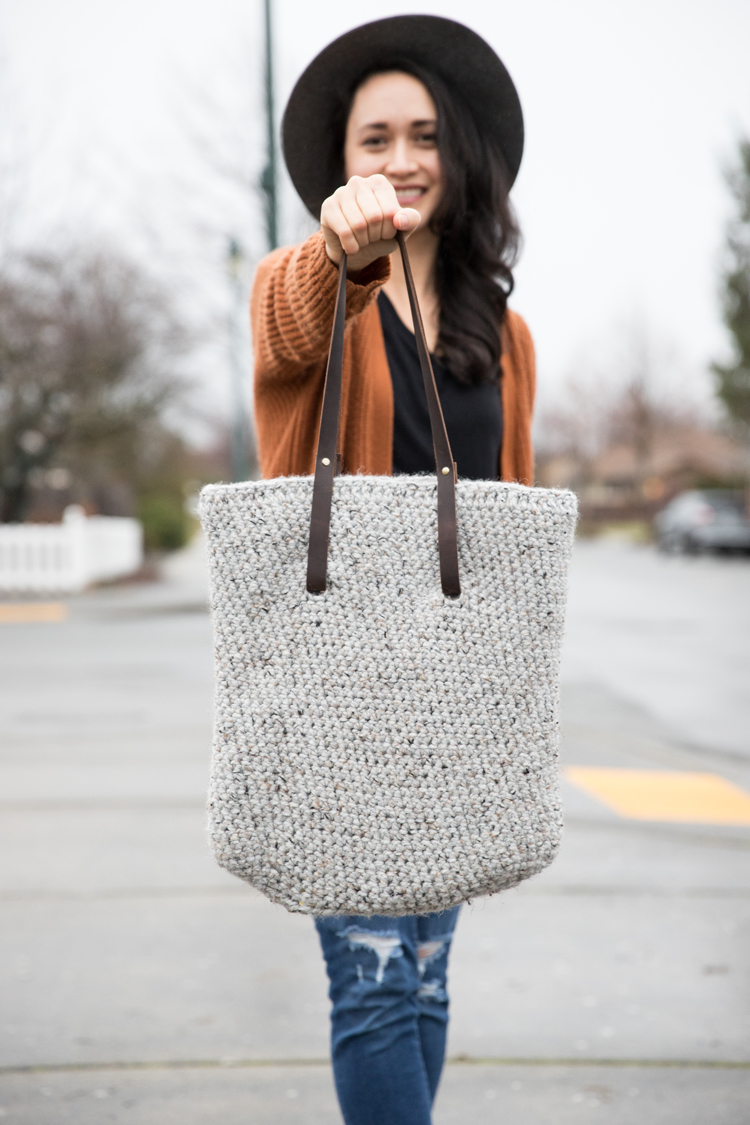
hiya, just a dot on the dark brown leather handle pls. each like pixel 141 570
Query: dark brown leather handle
pixel 327 459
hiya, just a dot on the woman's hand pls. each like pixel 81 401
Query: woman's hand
pixel 363 218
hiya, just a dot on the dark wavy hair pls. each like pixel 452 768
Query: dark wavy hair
pixel 478 231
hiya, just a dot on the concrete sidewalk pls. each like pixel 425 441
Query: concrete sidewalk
pixel 140 983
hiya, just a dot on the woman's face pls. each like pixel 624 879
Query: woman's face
pixel 392 130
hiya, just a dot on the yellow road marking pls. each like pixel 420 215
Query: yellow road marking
pixel 21 612
pixel 690 798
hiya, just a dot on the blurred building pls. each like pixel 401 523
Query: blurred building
pixel 630 480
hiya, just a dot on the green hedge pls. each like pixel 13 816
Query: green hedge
pixel 166 524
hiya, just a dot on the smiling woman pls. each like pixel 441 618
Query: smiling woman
pixel 407 127
pixel 402 144
pixel 410 124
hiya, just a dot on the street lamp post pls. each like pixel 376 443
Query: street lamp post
pixel 240 426
pixel 268 177
pixel 239 434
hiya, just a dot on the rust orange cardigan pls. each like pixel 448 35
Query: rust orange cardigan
pixel 292 314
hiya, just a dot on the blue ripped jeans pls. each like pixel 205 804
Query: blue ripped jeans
pixel 389 1019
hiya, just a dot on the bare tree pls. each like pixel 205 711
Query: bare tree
pixel 733 379
pixel 628 401
pixel 89 350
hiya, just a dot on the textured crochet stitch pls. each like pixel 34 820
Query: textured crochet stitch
pixel 380 748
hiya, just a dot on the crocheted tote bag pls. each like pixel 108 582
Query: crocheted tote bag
pixel 386 727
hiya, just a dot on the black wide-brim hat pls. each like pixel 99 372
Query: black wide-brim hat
pixel 312 131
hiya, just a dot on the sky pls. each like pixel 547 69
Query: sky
pixel 121 117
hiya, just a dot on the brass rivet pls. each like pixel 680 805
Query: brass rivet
pixel 326 461
pixel 445 471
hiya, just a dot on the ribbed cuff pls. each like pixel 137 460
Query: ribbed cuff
pixel 359 293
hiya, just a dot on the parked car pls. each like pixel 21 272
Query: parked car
pixel 709 520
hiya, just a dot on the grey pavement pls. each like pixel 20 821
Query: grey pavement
pixel 140 983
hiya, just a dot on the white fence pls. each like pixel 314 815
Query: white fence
pixel 66 557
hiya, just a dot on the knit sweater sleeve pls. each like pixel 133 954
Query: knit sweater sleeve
pixel 292 306
pixel 518 389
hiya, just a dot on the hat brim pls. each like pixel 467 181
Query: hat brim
pixel 459 56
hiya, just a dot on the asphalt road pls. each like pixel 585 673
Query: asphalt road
pixel 141 984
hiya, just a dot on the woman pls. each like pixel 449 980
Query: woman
pixel 408 124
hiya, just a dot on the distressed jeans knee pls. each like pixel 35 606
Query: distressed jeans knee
pixel 389 1016
pixel 386 973
pixel 432 965
pixel 384 945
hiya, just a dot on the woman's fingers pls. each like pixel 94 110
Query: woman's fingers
pixel 363 217
pixel 374 207
pixel 387 200
pixel 407 219
pixel 395 217
pixel 333 219
pixel 353 214
pixel 362 212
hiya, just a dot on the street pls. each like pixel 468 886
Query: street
pixel 141 983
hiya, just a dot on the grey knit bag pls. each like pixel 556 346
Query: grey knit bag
pixel 386 728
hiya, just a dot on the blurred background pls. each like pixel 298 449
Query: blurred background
pixel 138 191
pixel 136 187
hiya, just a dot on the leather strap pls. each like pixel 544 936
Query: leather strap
pixel 326 461
pixel 445 466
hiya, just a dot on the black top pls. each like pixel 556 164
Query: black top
pixel 473 415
